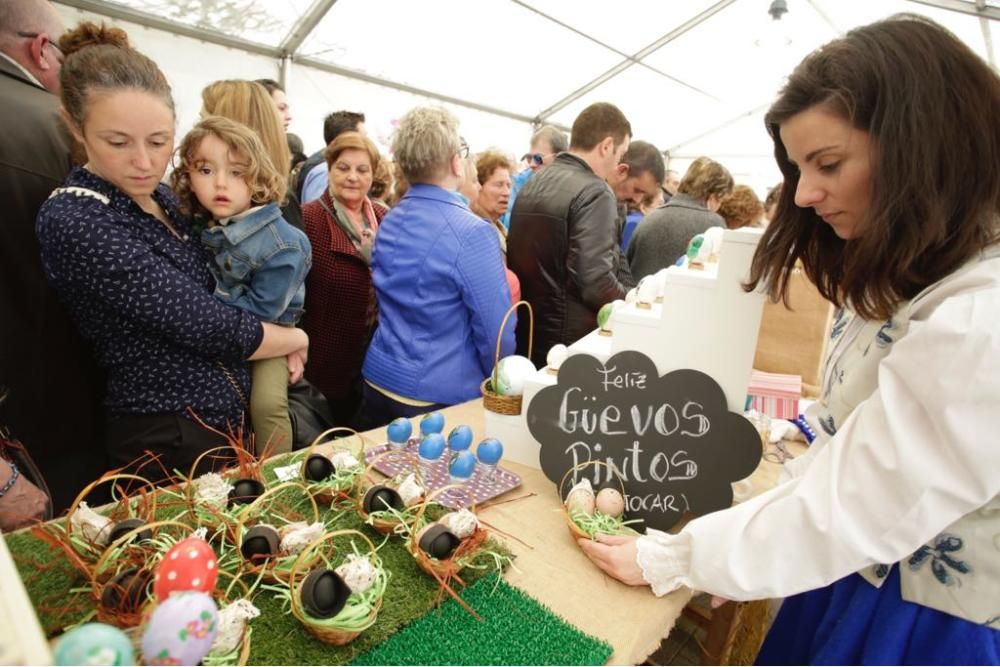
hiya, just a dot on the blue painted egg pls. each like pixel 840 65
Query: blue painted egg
pixel 181 630
pixel 94 644
pixel 431 446
pixel 460 438
pixel 399 430
pixel 489 451
pixel 462 466
pixel 432 423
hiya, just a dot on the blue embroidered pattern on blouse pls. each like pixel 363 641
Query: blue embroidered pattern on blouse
pixel 941 559
pixel 882 338
pixel 145 299
pixel 839 323
pixel 882 571
pixel 828 425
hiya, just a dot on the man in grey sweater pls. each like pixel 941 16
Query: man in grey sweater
pixel 663 235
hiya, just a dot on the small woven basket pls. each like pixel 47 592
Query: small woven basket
pixel 575 530
pixel 432 566
pixel 142 507
pixel 382 525
pixel 324 493
pixel 492 401
pixel 269 569
pixel 310 556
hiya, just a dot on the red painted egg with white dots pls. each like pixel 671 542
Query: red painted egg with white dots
pixel 189 565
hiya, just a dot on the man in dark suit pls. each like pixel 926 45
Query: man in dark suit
pixel 53 387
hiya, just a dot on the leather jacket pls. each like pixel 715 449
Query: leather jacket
pixel 562 245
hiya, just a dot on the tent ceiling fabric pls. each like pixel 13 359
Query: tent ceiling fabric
pixel 685 73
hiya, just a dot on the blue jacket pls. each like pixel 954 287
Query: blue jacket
pixel 442 293
pixel 261 263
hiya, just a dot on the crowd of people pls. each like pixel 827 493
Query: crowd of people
pixel 156 300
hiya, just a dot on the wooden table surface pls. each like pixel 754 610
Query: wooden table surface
pixel 552 569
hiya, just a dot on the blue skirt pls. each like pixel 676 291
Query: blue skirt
pixel 850 622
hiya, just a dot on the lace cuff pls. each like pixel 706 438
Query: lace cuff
pixel 665 560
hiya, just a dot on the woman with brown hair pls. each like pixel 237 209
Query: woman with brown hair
pixel 888 141
pixel 249 103
pixel 493 171
pixel 133 271
pixel 341 312
pixel 741 208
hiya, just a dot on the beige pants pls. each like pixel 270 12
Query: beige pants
pixel 269 406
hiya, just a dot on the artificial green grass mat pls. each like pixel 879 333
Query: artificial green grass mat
pixel 278 638
pixel 516 630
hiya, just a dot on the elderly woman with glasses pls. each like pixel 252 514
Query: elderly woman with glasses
pixel 439 282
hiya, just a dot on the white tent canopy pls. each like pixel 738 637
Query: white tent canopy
pixel 694 77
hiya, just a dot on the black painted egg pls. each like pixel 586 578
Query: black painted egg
pixel 380 497
pixel 123 527
pixel 260 543
pixel 437 541
pixel 245 491
pixel 324 593
pixel 126 592
pixel 319 468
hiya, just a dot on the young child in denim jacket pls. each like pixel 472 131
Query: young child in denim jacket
pixel 261 261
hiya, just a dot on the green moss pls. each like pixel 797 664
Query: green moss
pixel 278 638
pixel 516 630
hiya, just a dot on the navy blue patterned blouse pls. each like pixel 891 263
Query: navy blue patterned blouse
pixel 144 298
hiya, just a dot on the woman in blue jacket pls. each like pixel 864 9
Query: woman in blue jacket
pixel 439 282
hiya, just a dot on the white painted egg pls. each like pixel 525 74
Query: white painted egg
pixel 511 374
pixel 610 502
pixel 557 355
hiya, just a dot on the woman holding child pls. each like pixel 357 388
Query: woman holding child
pixel 135 273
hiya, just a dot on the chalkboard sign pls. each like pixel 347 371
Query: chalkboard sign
pixel 672 438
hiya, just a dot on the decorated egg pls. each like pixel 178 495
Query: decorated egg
pixel 610 502
pixel 380 498
pixel 557 354
pixel 511 374
pixel 580 499
pixel 462 466
pixel 460 438
pixel 318 468
pixel 94 644
pixel 489 451
pixel 432 422
pixel 127 591
pixel 431 447
pixel 180 630
pixel 358 572
pixel 399 430
pixel 713 243
pixel 661 282
pixel 126 526
pixel 189 565
pixel 632 296
pixel 647 290
pixel 260 543
pixel 461 523
pixel 245 491
pixel 437 541
pixel 323 593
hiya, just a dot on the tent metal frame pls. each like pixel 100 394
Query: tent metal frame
pixel 287 51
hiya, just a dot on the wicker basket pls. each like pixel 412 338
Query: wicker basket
pixel 127 507
pixel 441 569
pixel 219 521
pixel 574 530
pixel 384 526
pixel 309 557
pixel 492 401
pixel 268 570
pixel 323 493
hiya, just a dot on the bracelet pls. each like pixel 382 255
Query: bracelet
pixel 803 425
pixel 14 474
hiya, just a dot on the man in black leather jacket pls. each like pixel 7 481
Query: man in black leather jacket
pixel 562 242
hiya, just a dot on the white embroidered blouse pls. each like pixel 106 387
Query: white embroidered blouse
pixel 905 470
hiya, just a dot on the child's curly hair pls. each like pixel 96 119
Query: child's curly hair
pixel 265 182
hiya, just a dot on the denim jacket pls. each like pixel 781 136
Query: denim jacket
pixel 261 263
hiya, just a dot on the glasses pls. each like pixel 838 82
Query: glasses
pixel 536 158
pixel 33 35
pixel 463 150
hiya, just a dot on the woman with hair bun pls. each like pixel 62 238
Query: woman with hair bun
pixel 133 271
pixel 885 534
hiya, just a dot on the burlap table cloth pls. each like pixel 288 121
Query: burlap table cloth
pixel 552 569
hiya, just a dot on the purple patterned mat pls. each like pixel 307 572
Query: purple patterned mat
pixel 477 490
